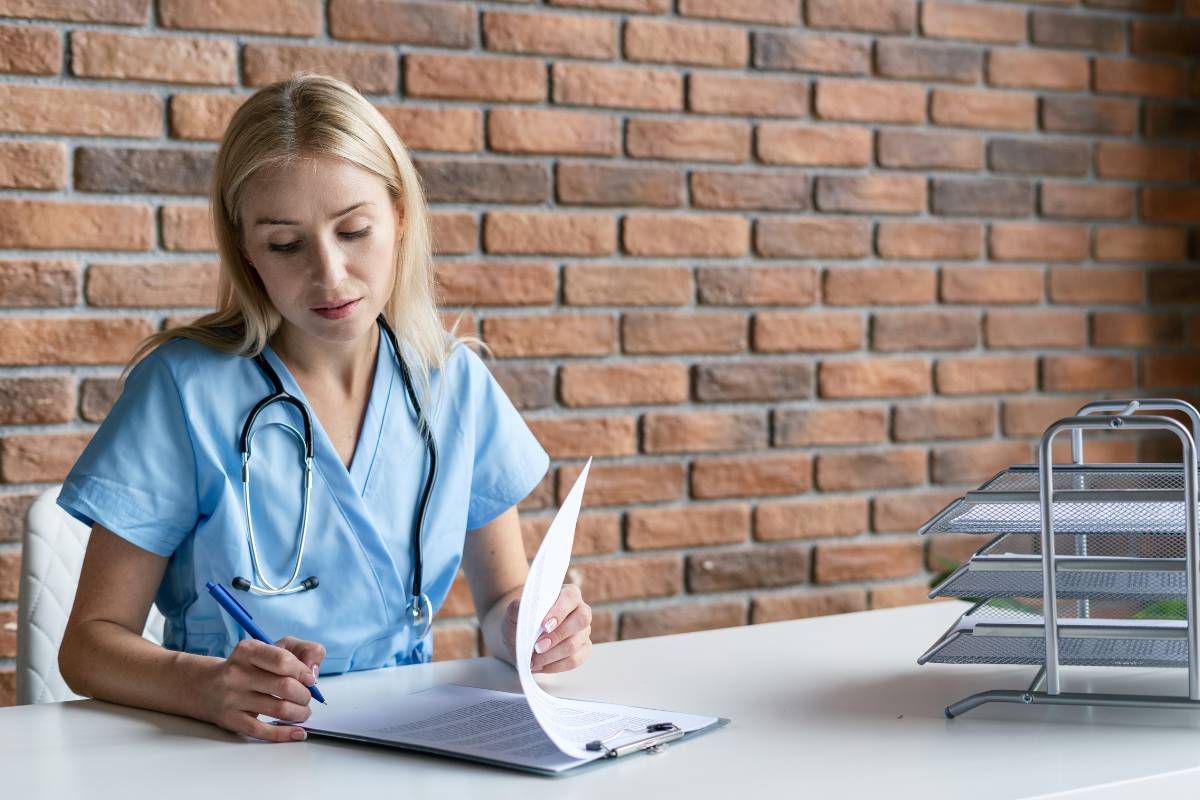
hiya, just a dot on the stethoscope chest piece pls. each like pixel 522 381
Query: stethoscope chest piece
pixel 420 614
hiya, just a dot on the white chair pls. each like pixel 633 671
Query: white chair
pixel 51 559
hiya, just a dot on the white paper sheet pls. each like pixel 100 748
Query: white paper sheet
pixel 542 588
pixel 477 723
pixel 571 724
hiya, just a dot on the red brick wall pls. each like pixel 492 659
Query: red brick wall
pixel 794 272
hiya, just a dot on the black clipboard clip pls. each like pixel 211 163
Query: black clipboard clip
pixel 661 733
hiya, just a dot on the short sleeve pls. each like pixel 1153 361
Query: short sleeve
pixel 509 461
pixel 137 475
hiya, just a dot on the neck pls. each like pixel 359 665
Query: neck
pixel 341 365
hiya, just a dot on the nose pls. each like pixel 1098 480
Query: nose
pixel 329 265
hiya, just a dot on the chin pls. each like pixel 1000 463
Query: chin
pixel 343 330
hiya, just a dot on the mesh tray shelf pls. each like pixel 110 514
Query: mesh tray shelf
pixel 1091 477
pixel 1025 580
pixel 1003 631
pixel 1139 567
pixel 1100 545
pixel 1088 499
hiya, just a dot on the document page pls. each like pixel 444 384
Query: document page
pixel 571 724
pixel 478 723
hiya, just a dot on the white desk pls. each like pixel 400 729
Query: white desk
pixel 828 707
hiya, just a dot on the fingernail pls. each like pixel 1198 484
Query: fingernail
pixel 551 624
pixel 542 646
pixel 316 670
pixel 299 735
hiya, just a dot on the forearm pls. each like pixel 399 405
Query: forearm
pixel 103 660
pixel 493 627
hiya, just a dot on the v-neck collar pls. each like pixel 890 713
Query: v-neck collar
pixel 367 446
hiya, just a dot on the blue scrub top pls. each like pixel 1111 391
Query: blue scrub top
pixel 163 471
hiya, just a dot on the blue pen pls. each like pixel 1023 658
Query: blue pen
pixel 242 617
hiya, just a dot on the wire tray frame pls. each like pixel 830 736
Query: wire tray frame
pixel 1004 631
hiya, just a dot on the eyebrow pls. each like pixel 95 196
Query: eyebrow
pixel 342 213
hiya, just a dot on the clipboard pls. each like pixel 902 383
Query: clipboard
pixel 651 739
pixel 652 747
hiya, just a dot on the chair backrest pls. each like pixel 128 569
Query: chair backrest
pixel 51 559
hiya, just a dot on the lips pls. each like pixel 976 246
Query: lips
pixel 338 309
pixel 336 304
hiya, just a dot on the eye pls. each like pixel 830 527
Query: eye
pixel 292 246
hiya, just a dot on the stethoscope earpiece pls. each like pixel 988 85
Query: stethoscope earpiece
pixel 244 585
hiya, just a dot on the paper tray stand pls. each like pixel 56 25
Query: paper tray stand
pixel 1089 565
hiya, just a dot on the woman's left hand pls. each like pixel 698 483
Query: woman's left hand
pixel 567 641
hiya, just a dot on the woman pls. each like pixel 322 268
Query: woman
pixel 324 245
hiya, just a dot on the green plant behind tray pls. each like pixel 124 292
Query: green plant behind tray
pixel 947 569
pixel 1163 609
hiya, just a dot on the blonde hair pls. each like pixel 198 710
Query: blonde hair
pixel 306 116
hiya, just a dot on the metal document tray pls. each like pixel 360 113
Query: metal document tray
pixel 1005 631
pixel 1118 575
pixel 1095 566
pixel 1088 498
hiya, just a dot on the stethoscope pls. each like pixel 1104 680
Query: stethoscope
pixel 420 610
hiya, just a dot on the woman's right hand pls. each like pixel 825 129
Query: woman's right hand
pixel 259 678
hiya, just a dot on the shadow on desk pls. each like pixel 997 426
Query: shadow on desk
pixel 924 695
pixel 320 764
pixel 168 725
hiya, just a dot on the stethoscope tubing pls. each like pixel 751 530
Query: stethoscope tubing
pixel 420 608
